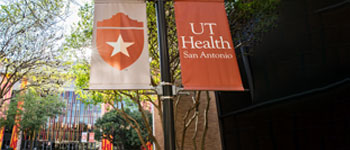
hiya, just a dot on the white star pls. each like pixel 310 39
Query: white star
pixel 120 46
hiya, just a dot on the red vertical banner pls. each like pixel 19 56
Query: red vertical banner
pixel 3 110
pixel 207 56
pixel 106 145
pixel 91 137
pixel 149 146
pixel 14 137
pixel 2 132
pixel 15 129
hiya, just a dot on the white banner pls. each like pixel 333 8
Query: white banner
pixel 84 137
pixel 120 57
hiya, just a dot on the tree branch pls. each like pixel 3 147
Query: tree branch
pixel 205 124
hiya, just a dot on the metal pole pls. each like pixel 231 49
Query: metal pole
pixel 168 117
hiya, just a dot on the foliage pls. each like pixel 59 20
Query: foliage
pixel 174 61
pixel 34 110
pixel 30 44
pixel 250 19
pixel 79 40
pixel 112 124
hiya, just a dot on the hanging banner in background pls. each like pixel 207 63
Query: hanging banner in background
pixel 84 137
pixel 106 145
pixel 2 132
pixel 3 113
pixel 91 137
pixel 120 57
pixel 4 108
pixel 207 56
pixel 15 129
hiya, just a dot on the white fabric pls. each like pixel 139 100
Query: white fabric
pixel 135 76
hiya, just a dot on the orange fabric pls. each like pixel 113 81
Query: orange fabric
pixel 91 137
pixel 4 108
pixel 201 0
pixel 119 20
pixel 149 146
pixel 207 56
pixel 14 137
pixel 119 61
pixel 107 145
pixel 2 132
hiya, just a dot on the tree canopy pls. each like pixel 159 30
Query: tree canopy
pixel 114 127
pixel 30 44
pixel 32 110
pixel 250 19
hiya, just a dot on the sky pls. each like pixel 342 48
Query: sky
pixel 69 21
pixel 73 13
pixel 74 18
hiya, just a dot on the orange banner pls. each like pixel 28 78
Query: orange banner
pixel 4 108
pixel 91 137
pixel 149 146
pixel 106 145
pixel 14 137
pixel 6 97
pixel 15 129
pixel 2 132
pixel 207 56
pixel 201 0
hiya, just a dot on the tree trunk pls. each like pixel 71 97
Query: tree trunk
pixel 145 119
pixel 32 142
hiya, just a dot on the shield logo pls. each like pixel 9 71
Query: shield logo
pixel 120 40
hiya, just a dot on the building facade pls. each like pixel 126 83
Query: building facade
pixel 71 130
pixel 299 98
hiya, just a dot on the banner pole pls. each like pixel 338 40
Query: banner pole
pixel 168 116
